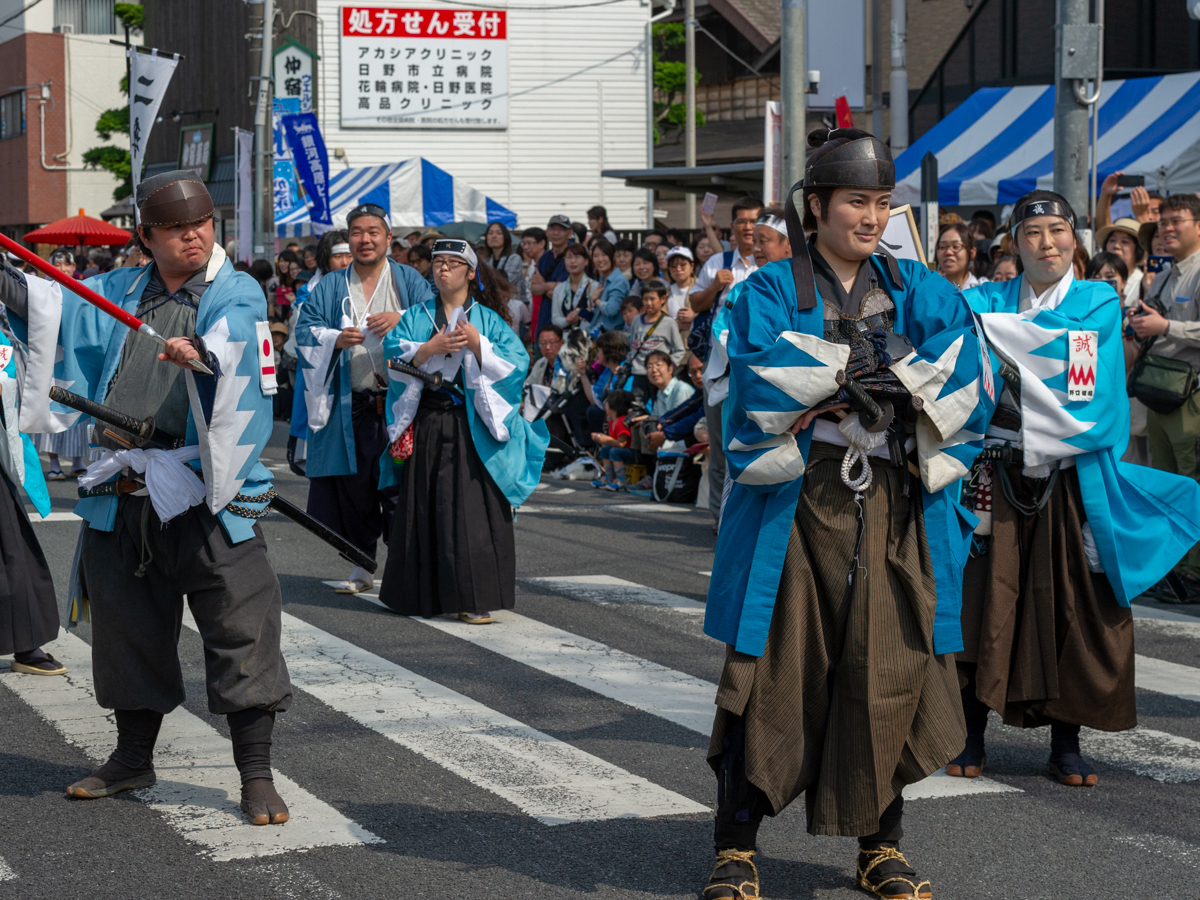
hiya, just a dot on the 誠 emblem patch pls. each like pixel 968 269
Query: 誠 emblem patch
pixel 1082 348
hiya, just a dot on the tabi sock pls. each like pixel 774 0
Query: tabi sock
pixel 250 730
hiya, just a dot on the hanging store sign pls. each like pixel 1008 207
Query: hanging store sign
pixel 423 68
pixel 294 74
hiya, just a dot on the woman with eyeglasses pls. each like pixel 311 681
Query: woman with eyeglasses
pixel 461 452
pixel 955 253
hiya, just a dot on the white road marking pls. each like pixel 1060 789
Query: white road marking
pixel 1162 615
pixel 637 682
pixel 649 507
pixel 1144 751
pixel 628 679
pixel 939 785
pixel 1164 677
pixel 603 507
pixel 608 589
pixel 550 780
pixel 198 788
pixel 54 517
pixel 6 872
pixel 707 574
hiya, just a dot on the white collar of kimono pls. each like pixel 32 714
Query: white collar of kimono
pixel 210 272
pixel 466 308
pixel 1052 296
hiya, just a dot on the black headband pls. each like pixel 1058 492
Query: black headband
pixel 1042 208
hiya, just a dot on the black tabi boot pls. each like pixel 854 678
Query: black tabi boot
pixel 250 730
pixel 740 810
pixel 1065 762
pixel 882 868
pixel 131 764
pixel 970 763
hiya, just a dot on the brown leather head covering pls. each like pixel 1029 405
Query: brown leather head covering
pixel 173 198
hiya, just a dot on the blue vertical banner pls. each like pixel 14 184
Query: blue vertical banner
pixel 312 165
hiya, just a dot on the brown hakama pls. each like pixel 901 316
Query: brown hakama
pixel 848 702
pixel 1046 634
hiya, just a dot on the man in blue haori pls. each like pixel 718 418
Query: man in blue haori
pixel 856 405
pixel 339 335
pixel 165 523
pixel 1068 533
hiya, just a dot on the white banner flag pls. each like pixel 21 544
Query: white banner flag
pixel 245 195
pixel 149 75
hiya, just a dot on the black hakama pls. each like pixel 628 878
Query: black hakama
pixel 28 609
pixel 452 548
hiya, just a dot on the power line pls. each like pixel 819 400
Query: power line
pixel 20 12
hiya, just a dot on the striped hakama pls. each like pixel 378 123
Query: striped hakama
pixel 848 703
pixel 1046 635
pixel 69 444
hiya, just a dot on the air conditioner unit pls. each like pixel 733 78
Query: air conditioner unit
pixel 64 29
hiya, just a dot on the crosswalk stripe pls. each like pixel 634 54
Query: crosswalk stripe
pixel 6 872
pixel 59 516
pixel 1164 677
pixel 198 788
pixel 1145 751
pixel 636 682
pixel 550 780
pixel 628 679
pixel 609 589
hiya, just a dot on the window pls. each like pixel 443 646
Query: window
pixel 12 115
pixel 87 16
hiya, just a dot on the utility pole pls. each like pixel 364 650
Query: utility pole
pixel 264 142
pixel 794 103
pixel 689 95
pixel 899 101
pixel 877 68
pixel 1076 59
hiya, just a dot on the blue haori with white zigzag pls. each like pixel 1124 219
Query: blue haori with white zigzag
pixel 780 367
pixel 415 193
pixel 1143 520
pixel 999 143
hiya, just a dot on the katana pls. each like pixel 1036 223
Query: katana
pixel 105 306
pixel 434 380
pixel 145 435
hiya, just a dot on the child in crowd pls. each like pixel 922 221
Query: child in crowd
pixel 654 330
pixel 614 446
pixel 631 308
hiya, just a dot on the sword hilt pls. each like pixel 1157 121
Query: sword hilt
pixel 141 429
pixel 433 379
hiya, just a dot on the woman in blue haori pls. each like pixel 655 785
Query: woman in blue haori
pixel 1068 533
pixel 839 562
pixel 462 454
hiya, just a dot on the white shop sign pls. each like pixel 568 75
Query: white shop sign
pixel 423 68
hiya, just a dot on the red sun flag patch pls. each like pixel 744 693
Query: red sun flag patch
pixel 266 359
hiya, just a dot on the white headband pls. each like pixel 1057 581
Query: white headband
pixel 463 251
pixel 773 222
pixel 339 248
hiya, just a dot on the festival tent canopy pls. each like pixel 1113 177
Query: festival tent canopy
pixel 999 144
pixel 416 194
pixel 79 230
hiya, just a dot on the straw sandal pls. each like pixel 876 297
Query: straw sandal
pixel 738 881
pixel 892 886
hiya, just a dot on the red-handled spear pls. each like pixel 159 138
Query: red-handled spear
pixel 105 306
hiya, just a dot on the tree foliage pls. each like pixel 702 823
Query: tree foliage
pixel 670 80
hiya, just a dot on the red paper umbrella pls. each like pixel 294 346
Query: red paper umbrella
pixel 79 230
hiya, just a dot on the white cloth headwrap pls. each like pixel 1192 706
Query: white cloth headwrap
pixel 339 248
pixel 773 222
pixel 174 488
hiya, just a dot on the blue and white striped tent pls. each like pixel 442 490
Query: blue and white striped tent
pixel 999 144
pixel 416 194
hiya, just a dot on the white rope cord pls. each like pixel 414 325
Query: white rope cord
pixel 862 442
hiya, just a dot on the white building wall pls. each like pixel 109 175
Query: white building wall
pixel 577 82
pixel 94 72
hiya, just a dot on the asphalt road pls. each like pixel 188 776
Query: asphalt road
pixel 558 754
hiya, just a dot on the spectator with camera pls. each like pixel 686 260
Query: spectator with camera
pixel 1168 321
pixel 1121 238
pixel 605 375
